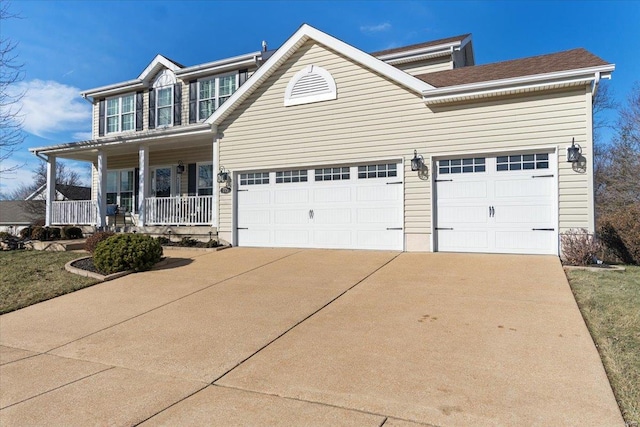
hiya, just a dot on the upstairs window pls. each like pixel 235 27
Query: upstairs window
pixel 121 114
pixel 213 92
pixel 164 106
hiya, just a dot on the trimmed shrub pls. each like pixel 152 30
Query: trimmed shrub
pixel 54 233
pixel 39 233
pixel 579 247
pixel 95 238
pixel 123 252
pixel 4 235
pixel 620 234
pixel 162 240
pixel 71 232
pixel 188 242
pixel 25 233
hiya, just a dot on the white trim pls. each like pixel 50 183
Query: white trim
pixel 228 64
pixel 155 65
pixel 443 48
pixel 304 33
pixel 512 90
pixel 317 96
pixel 216 99
pixel 416 58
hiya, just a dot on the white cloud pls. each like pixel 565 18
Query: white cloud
pixel 49 107
pixel 385 26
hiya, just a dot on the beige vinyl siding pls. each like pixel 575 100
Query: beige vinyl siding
pixel 95 118
pixel 373 118
pixel 427 66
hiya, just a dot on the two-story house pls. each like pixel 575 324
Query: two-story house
pixel 319 144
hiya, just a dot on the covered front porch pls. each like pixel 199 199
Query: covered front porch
pixel 165 178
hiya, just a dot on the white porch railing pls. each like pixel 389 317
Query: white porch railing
pixel 181 210
pixel 73 212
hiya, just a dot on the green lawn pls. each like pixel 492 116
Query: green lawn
pixel 29 277
pixel 610 305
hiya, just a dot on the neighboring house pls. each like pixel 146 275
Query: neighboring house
pixel 63 192
pixel 319 144
pixel 18 214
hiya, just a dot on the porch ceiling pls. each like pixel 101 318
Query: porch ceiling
pixel 88 150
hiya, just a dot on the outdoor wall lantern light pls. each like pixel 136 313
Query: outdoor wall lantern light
pixel 180 168
pixel 574 152
pixel 223 176
pixel 417 163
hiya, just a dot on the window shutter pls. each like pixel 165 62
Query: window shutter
pixel 152 108
pixel 243 76
pixel 177 104
pixel 193 189
pixel 136 189
pixel 139 110
pixel 193 101
pixel 101 117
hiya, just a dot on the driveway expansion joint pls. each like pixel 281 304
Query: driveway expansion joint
pixel 172 405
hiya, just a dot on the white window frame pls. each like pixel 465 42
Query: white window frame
pixel 213 178
pixel 119 114
pixel 170 88
pixel 119 190
pixel 172 181
pixel 216 86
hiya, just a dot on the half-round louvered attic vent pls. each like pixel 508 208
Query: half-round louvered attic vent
pixel 312 84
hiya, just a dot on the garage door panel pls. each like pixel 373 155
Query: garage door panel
pixel 448 215
pixel 291 216
pixel 463 239
pixel 531 214
pixel 332 216
pixel 386 216
pixel 523 188
pixel 525 241
pixel 287 196
pixel 254 198
pixel 255 237
pixel 463 189
pixel 333 239
pixel 254 217
pixel 333 194
pixel 291 238
pixel 379 193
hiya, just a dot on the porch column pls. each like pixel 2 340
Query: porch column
pixel 51 189
pixel 216 186
pixel 143 171
pixel 102 190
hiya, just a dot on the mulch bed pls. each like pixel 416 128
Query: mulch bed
pixel 86 264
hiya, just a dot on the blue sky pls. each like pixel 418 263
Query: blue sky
pixel 69 46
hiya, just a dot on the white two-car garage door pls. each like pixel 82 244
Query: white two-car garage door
pixel 350 207
pixel 499 204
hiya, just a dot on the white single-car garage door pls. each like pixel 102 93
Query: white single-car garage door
pixel 497 204
pixel 346 207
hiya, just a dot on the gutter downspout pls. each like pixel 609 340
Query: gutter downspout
pixel 594 84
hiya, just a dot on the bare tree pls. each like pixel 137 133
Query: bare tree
pixel 11 72
pixel 618 166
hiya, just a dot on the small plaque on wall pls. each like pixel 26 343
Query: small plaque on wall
pixel 225 190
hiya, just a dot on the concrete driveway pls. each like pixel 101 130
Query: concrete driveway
pixel 310 337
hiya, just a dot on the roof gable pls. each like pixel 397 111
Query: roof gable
pixel 304 34
pixel 159 63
